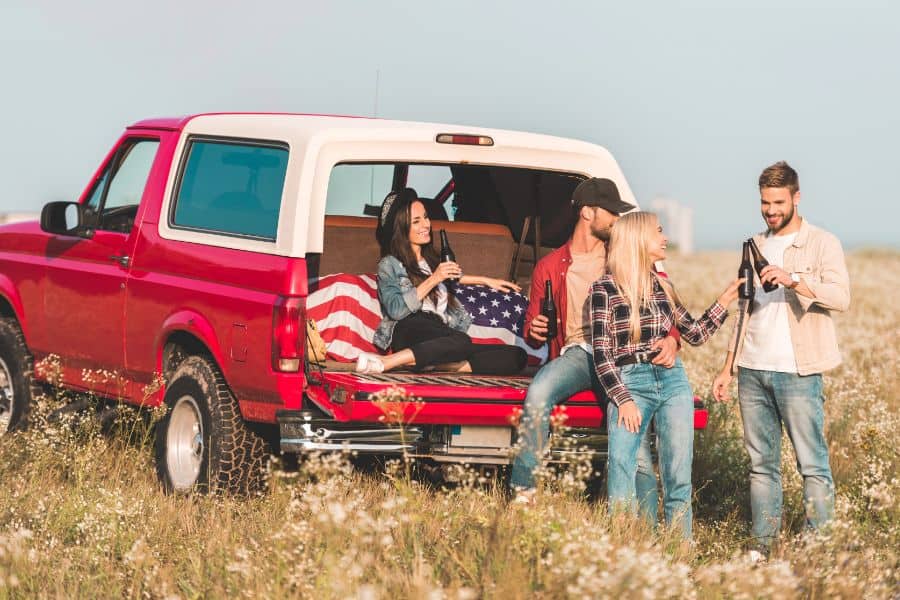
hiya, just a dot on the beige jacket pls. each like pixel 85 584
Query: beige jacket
pixel 818 258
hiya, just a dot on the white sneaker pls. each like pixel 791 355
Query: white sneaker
pixel 525 497
pixel 755 557
pixel 367 362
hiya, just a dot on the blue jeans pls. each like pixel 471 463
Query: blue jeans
pixel 559 379
pixel 768 399
pixel 663 394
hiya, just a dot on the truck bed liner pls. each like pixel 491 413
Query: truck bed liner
pixel 450 379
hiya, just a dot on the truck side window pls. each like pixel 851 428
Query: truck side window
pixel 231 187
pixel 118 201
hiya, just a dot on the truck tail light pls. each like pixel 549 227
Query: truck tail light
pixel 288 334
pixel 464 139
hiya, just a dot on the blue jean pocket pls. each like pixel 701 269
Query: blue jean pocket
pixel 639 378
pixel 626 369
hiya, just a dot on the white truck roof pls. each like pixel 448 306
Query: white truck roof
pixel 317 143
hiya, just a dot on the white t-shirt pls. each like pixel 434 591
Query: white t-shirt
pixel 767 346
pixel 428 305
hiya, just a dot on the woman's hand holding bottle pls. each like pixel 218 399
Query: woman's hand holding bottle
pixel 447 270
pixel 731 292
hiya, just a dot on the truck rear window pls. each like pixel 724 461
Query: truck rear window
pixel 358 189
pixel 231 187
pixel 494 194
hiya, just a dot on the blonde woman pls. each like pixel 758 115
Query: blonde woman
pixel 631 308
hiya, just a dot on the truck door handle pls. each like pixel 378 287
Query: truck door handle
pixel 122 260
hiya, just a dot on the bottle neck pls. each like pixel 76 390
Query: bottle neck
pixel 757 255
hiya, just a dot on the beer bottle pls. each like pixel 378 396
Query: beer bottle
pixel 745 271
pixel 446 252
pixel 760 263
pixel 548 309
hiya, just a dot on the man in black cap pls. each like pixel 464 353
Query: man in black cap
pixel 572 269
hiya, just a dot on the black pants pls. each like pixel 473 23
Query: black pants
pixel 433 342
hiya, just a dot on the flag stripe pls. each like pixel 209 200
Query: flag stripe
pixel 329 314
pixel 353 280
pixel 359 290
pixel 347 320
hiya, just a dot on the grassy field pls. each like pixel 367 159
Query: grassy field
pixel 81 514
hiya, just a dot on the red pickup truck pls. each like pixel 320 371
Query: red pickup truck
pixel 195 253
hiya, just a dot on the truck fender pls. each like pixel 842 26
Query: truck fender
pixel 10 295
pixel 195 324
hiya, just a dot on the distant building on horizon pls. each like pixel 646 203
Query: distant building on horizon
pixel 677 221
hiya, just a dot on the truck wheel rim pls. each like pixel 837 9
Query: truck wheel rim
pixel 184 443
pixel 7 396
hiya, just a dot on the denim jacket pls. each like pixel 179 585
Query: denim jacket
pixel 399 299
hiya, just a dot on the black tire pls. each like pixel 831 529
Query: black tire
pixel 203 444
pixel 18 389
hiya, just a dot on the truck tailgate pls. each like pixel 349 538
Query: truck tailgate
pixel 443 398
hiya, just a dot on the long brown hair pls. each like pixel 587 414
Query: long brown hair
pixel 631 267
pixel 400 248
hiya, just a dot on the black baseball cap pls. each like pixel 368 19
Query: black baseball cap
pixel 602 192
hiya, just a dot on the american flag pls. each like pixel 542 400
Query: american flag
pixel 346 311
pixel 498 318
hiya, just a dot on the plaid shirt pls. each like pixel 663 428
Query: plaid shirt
pixel 611 330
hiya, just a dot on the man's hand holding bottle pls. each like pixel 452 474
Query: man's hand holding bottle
pixel 539 327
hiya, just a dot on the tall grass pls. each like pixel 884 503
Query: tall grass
pixel 81 514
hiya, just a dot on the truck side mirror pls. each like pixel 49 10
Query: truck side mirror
pixel 65 218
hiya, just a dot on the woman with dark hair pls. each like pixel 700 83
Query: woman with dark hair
pixel 423 323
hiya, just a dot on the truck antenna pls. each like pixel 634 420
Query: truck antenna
pixel 374 114
pixel 377 80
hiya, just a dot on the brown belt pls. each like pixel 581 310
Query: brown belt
pixel 636 358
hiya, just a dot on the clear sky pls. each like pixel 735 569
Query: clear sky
pixel 693 98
